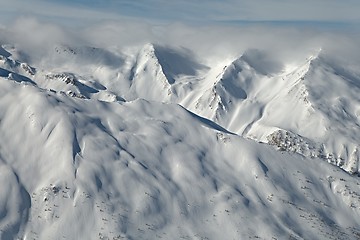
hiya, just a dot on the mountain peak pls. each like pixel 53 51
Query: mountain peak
pixel 151 169
pixel 148 48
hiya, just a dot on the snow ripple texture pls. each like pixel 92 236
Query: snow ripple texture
pixel 128 147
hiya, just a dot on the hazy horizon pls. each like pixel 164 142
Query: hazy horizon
pixel 191 12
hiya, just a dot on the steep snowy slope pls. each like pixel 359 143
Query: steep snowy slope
pixel 147 71
pixel 316 103
pixel 256 96
pixel 85 169
pixel 151 72
pixel 159 73
pixel 241 93
pixel 149 143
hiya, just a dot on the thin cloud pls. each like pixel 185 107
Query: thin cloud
pixel 80 11
pixel 213 44
pixel 51 11
pixel 285 10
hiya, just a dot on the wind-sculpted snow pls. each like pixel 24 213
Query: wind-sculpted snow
pixel 79 168
pixel 86 155
pixel 253 96
pixel 317 100
pixel 147 71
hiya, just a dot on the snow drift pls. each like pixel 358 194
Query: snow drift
pixel 152 143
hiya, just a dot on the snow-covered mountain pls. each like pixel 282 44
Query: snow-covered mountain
pixel 152 143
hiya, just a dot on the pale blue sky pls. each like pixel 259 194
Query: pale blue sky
pixel 201 11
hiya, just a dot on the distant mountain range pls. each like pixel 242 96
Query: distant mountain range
pixel 153 143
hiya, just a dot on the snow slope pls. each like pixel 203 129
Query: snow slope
pixel 107 145
pixel 317 101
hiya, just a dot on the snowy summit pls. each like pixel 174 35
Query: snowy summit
pixel 120 131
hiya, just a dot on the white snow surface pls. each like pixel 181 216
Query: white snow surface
pixel 153 144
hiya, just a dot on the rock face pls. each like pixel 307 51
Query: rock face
pixel 150 144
